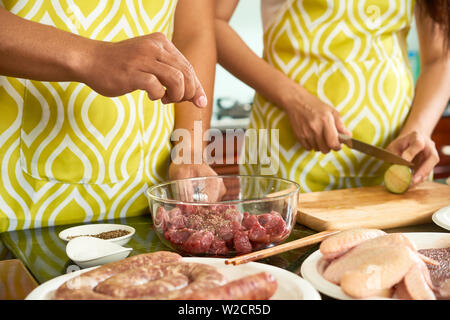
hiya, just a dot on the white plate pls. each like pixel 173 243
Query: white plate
pixel 313 266
pixel 92 229
pixel 290 285
pixel 442 217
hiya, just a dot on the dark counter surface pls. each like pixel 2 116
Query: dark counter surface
pixel 44 254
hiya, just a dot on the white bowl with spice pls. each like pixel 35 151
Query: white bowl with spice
pixel 117 233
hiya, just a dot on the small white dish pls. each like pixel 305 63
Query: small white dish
pixel 442 217
pixel 93 229
pixel 313 267
pixel 88 252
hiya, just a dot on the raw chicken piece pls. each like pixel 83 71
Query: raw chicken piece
pixel 336 245
pixel 381 262
pixel 444 290
pixel 394 239
pixel 368 272
pixel 401 292
pixel 417 282
pixel 416 285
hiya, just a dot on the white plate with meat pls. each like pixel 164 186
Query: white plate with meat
pixel 290 285
pixel 314 266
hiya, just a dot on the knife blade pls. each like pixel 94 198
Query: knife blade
pixel 374 151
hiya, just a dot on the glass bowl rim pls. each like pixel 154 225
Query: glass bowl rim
pixel 203 203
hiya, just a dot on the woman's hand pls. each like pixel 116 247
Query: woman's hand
pixel 315 124
pixel 420 150
pixel 214 188
pixel 150 63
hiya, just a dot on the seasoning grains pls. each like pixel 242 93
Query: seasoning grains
pixel 441 272
pixel 104 235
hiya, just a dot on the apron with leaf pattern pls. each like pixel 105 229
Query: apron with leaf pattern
pixel 352 55
pixel 68 154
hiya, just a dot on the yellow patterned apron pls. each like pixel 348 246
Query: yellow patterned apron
pixel 68 154
pixel 353 56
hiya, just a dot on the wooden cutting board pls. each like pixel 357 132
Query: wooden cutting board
pixel 371 207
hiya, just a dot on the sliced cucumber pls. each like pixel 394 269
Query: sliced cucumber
pixel 397 178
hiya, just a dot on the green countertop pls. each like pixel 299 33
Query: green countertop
pixel 43 252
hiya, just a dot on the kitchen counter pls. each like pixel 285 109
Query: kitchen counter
pixel 43 253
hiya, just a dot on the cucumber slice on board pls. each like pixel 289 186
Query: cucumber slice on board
pixel 397 178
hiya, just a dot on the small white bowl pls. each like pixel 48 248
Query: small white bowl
pixel 90 251
pixel 92 229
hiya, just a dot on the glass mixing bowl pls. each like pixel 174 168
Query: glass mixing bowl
pixel 199 217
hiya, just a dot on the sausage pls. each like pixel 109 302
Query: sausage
pixel 260 286
pixel 162 281
pixel 81 287
pixel 160 275
pixel 163 275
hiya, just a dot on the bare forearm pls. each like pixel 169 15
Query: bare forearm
pixel 198 45
pixel 305 111
pixel 432 91
pixel 151 62
pixel 431 96
pixel 185 112
pixel 40 52
pixel 235 56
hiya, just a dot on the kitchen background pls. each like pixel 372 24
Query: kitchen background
pixel 231 92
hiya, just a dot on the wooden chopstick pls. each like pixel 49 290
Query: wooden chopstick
pixel 261 254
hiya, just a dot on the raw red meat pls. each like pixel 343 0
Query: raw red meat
pixel 218 229
pixel 218 247
pixel 161 218
pixel 249 220
pixel 258 233
pixel 199 242
pixel 176 219
pixel 242 242
pixel 274 224
pixel 178 236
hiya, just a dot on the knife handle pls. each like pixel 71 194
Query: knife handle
pixel 343 137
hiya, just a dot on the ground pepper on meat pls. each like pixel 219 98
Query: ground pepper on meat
pixel 104 235
pixel 441 272
pixel 219 229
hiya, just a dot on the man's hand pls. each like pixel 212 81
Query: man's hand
pixel 35 51
pixel 214 188
pixel 418 149
pixel 150 63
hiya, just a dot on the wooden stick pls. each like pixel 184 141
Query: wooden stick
pixel 261 254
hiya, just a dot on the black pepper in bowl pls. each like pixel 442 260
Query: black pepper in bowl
pixel 105 235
